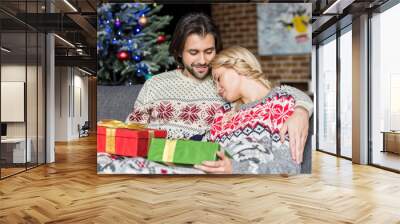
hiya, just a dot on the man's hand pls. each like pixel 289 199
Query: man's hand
pixel 223 166
pixel 297 126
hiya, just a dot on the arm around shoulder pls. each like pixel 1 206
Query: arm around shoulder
pixel 301 98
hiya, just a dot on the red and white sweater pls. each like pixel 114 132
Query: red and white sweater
pixel 251 134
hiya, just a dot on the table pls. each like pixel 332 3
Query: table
pixel 391 141
pixel 18 149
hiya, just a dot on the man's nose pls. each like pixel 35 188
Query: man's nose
pixel 202 59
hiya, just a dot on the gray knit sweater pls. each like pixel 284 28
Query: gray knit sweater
pixel 251 135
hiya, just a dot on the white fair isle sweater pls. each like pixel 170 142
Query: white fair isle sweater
pixel 184 106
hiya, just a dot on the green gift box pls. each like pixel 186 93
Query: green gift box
pixel 181 151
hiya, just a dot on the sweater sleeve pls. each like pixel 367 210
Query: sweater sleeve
pixel 142 107
pixel 302 99
pixel 266 154
pixel 276 161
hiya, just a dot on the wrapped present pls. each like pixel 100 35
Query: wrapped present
pixel 116 137
pixel 181 151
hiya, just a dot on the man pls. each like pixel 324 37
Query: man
pixel 184 101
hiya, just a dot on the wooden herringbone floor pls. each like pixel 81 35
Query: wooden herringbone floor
pixel 70 191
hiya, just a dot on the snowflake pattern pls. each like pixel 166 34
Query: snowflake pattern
pixel 190 113
pixel 136 116
pixel 165 111
pixel 266 117
pixel 211 111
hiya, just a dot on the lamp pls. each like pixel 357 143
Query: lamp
pixel 70 5
pixel 64 40
pixel 5 50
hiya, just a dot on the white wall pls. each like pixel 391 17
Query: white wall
pixel 33 127
pixel 61 103
pixel 71 93
pixel 16 72
pixel 80 110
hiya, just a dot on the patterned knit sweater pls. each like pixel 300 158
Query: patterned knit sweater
pixel 251 134
pixel 173 102
pixel 183 106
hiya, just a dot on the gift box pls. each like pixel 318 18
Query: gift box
pixel 116 137
pixel 184 152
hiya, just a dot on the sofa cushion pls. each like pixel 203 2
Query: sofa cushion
pixel 116 102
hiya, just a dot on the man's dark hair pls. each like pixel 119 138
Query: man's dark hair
pixel 193 23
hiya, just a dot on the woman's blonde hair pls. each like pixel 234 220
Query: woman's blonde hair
pixel 242 61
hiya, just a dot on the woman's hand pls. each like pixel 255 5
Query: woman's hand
pixel 297 126
pixel 222 166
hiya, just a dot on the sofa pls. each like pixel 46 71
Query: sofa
pixel 116 102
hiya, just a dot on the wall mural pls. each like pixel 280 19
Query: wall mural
pixel 284 28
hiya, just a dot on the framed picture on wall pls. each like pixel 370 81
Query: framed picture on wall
pixel 284 28
pixel 12 101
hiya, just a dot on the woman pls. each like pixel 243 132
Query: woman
pixel 248 127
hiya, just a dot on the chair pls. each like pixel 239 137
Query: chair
pixel 84 130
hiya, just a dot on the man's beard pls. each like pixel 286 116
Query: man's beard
pixel 195 74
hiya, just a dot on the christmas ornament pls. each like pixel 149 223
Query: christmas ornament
pixel 161 39
pixel 108 30
pixel 137 58
pixel 130 41
pixel 139 72
pixel 143 20
pixel 137 29
pixel 148 76
pixel 117 23
pixel 114 41
pixel 122 55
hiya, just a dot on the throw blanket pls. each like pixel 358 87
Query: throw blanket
pixel 112 164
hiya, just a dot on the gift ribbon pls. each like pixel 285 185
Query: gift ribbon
pixel 169 150
pixel 110 140
pixel 120 124
pixel 151 135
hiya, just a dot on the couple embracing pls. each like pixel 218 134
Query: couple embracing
pixel 223 96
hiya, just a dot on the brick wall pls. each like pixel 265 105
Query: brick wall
pixel 238 26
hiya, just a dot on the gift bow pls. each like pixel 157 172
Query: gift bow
pixel 120 124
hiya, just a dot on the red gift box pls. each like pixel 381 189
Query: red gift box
pixel 125 139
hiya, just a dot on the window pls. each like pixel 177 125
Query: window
pixel 327 96
pixel 385 87
pixel 346 93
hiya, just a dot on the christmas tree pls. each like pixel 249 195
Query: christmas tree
pixel 130 44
